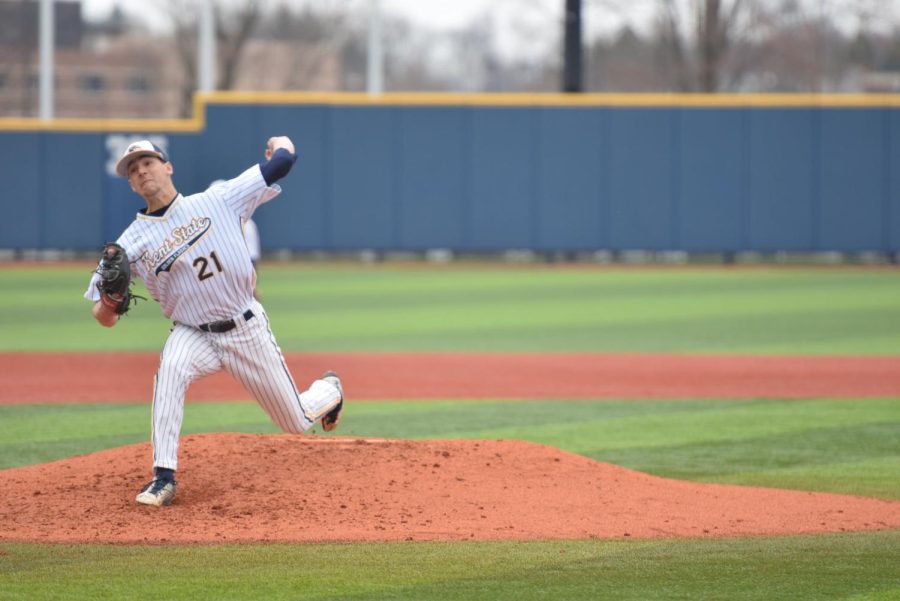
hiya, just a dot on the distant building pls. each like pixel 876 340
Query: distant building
pixel 109 71
pixel 98 72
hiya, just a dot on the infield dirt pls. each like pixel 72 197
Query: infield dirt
pixel 72 377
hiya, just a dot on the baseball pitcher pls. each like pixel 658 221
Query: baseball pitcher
pixel 191 254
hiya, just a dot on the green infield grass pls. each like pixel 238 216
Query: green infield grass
pixel 849 446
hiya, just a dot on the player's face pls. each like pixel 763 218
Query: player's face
pixel 148 174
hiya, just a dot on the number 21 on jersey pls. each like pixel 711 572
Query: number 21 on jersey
pixel 203 265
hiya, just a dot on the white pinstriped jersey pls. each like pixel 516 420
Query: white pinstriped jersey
pixel 194 259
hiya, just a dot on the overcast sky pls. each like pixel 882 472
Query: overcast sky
pixel 445 14
pixel 523 29
pixel 432 13
pixel 542 18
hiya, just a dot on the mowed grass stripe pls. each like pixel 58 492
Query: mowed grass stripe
pixel 873 477
pixel 31 434
pixel 797 568
pixel 810 447
pixel 472 419
pixel 713 423
pixel 403 419
pixel 531 308
pixel 550 314
pixel 434 283
pixel 40 423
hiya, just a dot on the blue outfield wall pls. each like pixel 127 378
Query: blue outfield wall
pixel 469 176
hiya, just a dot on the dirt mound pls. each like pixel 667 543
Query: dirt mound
pixel 242 488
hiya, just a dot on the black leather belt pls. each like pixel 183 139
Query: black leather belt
pixel 219 327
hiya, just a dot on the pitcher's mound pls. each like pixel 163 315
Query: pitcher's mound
pixel 243 487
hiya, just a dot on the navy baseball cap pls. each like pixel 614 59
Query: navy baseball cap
pixel 138 149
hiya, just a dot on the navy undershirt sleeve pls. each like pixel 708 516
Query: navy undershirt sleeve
pixel 278 166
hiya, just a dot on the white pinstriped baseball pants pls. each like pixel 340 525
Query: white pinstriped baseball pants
pixel 251 355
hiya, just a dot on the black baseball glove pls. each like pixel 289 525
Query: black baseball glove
pixel 115 279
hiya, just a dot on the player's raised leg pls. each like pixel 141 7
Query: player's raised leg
pixel 253 357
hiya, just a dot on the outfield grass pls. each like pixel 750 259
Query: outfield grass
pixel 485 308
pixel 846 446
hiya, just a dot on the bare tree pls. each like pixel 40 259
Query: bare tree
pixel 317 40
pixel 234 25
pixel 698 39
pixel 672 43
pixel 233 29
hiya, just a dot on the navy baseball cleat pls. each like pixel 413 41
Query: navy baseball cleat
pixel 158 492
pixel 331 419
